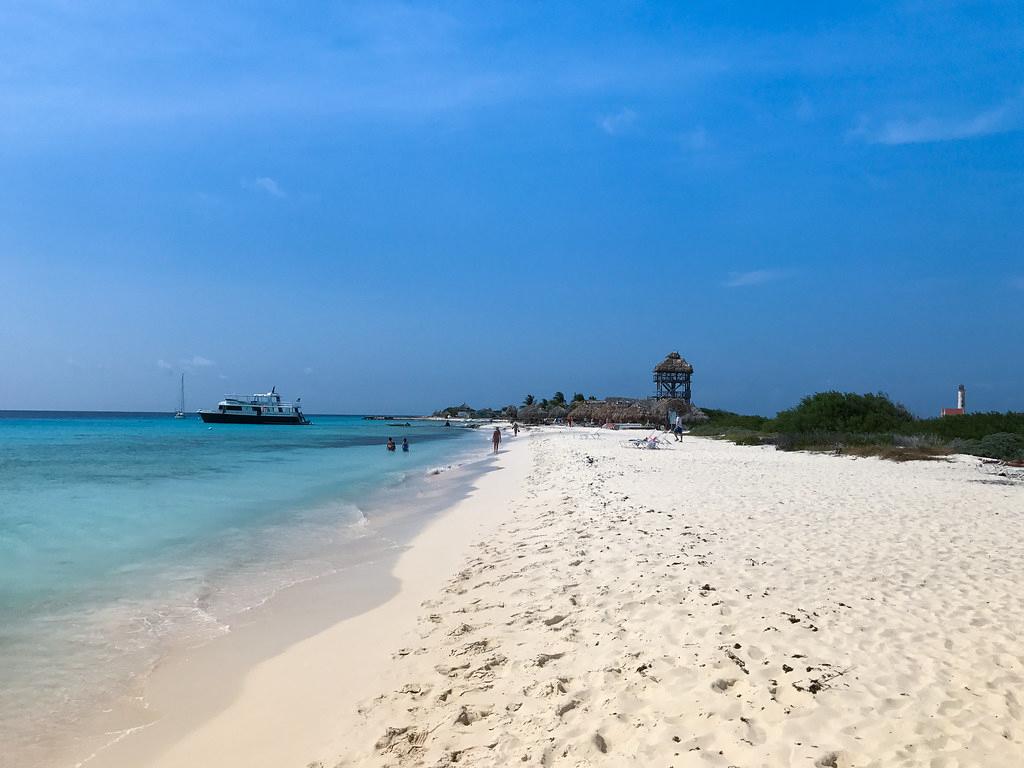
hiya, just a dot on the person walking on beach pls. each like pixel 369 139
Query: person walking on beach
pixel 391 444
pixel 515 429
pixel 405 445
pixel 496 439
pixel 679 428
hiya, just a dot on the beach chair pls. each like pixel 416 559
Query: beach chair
pixel 652 442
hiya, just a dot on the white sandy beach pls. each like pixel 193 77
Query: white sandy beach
pixel 702 605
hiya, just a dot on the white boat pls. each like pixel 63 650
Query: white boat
pixel 266 408
pixel 180 413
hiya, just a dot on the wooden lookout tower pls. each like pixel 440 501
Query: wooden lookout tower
pixel 672 378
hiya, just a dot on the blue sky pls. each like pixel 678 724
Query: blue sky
pixel 390 206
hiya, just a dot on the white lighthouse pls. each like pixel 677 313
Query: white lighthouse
pixel 961 398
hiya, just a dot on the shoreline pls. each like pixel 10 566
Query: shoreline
pixel 315 520
pixel 196 692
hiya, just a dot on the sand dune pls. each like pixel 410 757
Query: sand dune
pixel 715 605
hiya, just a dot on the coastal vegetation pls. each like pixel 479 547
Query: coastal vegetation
pixel 465 411
pixel 871 425
pixel 531 411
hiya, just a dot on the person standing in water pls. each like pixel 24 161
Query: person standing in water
pixel 391 444
pixel 496 439
pixel 515 428
pixel 405 445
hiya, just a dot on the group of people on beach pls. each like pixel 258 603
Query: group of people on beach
pixel 495 439
pixel 392 447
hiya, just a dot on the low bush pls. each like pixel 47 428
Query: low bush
pixel 1005 446
pixel 745 436
pixel 707 430
pixel 720 419
pixel 971 426
pixel 884 446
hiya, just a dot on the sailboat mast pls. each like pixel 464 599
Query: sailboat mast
pixel 183 393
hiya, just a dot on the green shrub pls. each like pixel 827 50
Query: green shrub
pixel 720 419
pixel 971 426
pixel 744 436
pixel 843 412
pixel 1005 446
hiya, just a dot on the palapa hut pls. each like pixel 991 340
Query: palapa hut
pixel 650 411
pixel 672 380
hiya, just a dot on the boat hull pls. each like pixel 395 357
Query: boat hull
pixel 216 417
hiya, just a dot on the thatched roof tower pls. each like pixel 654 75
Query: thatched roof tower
pixel 673 363
pixel 672 378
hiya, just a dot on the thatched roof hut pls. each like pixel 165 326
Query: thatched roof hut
pixel 651 411
pixel 673 363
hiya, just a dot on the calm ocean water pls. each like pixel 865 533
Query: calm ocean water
pixel 122 534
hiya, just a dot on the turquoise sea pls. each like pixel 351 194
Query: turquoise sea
pixel 122 535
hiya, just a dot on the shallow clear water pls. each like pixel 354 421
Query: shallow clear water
pixel 123 533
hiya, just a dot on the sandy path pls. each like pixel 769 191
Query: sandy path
pixel 715 605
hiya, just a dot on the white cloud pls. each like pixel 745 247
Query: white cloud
pixel 753 277
pixel 163 365
pixel 268 185
pixel 618 123
pixel 1008 116
pixel 197 361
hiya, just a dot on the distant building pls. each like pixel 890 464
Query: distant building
pixel 961 403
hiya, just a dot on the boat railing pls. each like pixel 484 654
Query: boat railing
pixel 264 400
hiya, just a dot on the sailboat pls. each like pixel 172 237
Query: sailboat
pixel 180 413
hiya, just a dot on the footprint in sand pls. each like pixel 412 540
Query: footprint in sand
pixel 756 735
pixel 723 684
pixel 831 760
